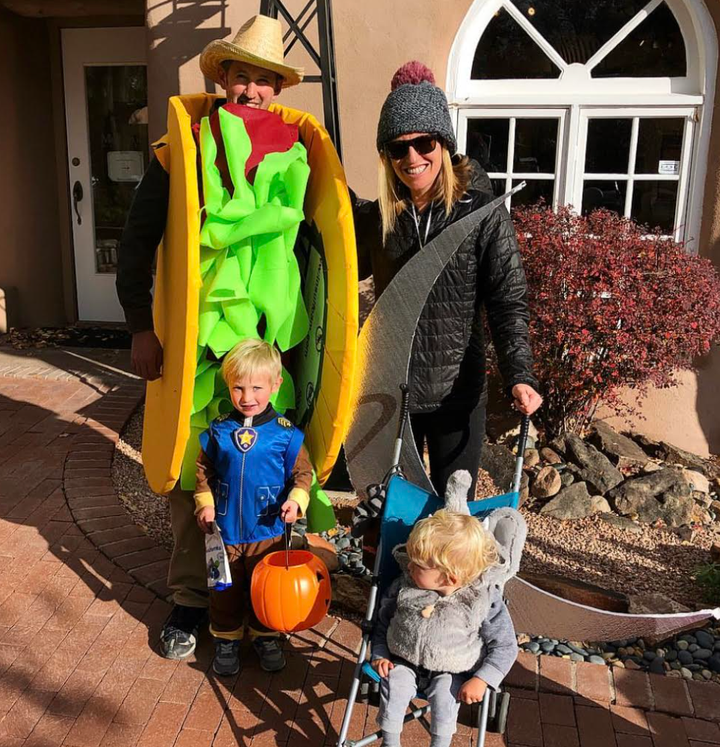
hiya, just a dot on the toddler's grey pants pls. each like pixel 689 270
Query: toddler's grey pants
pixel 402 684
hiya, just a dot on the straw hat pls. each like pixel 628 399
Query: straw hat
pixel 259 42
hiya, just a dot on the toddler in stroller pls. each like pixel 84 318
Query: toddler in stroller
pixel 442 627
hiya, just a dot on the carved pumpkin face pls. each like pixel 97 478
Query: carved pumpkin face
pixel 294 598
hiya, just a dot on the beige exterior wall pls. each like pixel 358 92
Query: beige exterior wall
pixel 30 257
pixel 372 39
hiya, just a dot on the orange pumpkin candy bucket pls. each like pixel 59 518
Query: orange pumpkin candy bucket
pixel 290 590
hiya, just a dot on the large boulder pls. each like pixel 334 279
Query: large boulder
pixel 663 495
pixel 573 503
pixel 622 451
pixel 675 455
pixel 594 467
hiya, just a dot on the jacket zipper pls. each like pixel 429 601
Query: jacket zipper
pixel 248 424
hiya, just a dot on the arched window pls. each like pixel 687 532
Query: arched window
pixel 596 103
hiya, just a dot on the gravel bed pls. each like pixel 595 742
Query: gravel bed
pixel 147 509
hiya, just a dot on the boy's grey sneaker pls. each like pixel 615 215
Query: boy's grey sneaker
pixel 179 634
pixel 272 658
pixel 227 657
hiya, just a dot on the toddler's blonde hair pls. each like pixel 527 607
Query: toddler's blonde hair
pixel 250 357
pixel 455 544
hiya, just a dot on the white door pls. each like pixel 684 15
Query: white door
pixel 106 114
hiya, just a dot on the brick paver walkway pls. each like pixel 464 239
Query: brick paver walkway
pixel 80 616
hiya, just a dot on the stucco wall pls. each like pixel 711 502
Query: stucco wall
pixel 30 257
pixel 372 38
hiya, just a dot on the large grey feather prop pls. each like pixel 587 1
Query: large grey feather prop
pixel 384 349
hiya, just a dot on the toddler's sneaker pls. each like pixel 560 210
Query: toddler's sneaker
pixel 179 634
pixel 227 657
pixel 270 652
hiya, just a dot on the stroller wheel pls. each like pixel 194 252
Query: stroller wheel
pixel 498 722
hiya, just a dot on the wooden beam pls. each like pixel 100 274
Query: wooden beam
pixel 74 8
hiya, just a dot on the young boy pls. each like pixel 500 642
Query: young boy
pixel 253 478
pixel 443 627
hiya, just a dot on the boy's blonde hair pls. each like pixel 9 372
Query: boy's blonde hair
pixel 455 544
pixel 250 357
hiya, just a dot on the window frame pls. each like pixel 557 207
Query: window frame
pixel 513 114
pixel 580 94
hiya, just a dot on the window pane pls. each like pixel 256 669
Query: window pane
pixel 604 194
pixel 535 145
pixel 534 190
pixel 576 29
pixel 654 204
pixel 506 51
pixel 655 48
pixel 487 143
pixel 659 140
pixel 608 146
pixel 118 132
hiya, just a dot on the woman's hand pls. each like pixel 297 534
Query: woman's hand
pixel 289 511
pixel 527 400
pixel 382 666
pixel 473 691
pixel 205 517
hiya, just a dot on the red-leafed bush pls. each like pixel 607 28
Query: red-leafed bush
pixel 611 306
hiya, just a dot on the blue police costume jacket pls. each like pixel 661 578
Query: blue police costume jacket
pixel 252 469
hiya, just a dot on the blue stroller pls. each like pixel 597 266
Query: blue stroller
pixel 403 505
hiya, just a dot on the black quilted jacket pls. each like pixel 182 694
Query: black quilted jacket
pixel 448 359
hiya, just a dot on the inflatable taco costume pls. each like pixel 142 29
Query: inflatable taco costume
pixel 262 243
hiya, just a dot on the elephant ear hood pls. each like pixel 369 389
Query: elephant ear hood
pixel 510 531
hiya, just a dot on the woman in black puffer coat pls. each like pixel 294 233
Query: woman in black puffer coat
pixel 425 187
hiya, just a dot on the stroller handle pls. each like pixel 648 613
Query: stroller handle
pixel 522 444
pixel 404 411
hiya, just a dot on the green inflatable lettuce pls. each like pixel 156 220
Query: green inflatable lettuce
pixel 249 274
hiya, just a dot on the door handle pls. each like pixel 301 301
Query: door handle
pixel 77 195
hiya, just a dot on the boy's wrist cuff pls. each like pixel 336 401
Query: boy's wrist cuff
pixel 301 497
pixel 204 500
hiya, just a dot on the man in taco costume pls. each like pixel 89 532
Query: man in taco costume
pixel 248 202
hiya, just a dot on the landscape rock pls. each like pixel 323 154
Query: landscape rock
pixel 663 495
pixel 696 480
pixel 651 467
pixel 547 483
pixel 622 522
pixel 621 450
pixel 648 445
pixel 531 458
pixel 654 603
pixel 675 455
pixel 571 503
pixel 567 479
pixel 600 505
pixel 550 456
pixel 595 468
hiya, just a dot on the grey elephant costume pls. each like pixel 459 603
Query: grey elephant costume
pixel 467 634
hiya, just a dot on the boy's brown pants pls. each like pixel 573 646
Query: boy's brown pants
pixel 228 608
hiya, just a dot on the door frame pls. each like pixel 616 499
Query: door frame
pixel 73 48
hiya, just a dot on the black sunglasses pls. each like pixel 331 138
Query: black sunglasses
pixel 423 144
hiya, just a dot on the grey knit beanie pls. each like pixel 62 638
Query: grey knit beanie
pixel 415 105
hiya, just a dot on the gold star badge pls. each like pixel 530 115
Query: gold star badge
pixel 246 438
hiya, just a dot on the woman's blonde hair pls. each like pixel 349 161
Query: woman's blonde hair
pixel 455 544
pixel 250 357
pixel 393 197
